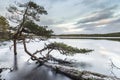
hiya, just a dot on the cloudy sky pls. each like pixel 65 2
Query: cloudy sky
pixel 77 16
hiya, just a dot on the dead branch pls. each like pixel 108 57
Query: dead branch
pixel 40 60
pixel 60 61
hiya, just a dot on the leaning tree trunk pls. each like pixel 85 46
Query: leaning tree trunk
pixel 16 37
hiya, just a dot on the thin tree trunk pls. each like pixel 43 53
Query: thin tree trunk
pixel 15 65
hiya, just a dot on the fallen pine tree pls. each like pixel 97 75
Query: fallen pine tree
pixel 75 74
pixel 68 71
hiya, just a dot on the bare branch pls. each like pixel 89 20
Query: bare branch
pixel 41 61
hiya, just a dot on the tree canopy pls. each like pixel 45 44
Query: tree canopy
pixel 3 24
pixel 32 28
pixel 26 16
pixel 66 49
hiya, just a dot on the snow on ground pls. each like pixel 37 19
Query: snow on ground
pixel 27 71
pixel 97 61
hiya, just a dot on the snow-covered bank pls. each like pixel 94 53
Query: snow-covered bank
pixel 103 52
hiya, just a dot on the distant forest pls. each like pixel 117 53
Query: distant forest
pixel 117 34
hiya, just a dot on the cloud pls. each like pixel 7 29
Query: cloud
pixel 101 26
pixel 77 16
pixel 58 0
pixel 95 3
pixel 100 23
pixel 103 21
pixel 98 15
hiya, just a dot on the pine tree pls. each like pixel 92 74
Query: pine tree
pixel 26 17
pixel 4 27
